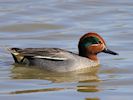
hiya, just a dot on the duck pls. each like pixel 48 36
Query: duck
pixel 60 60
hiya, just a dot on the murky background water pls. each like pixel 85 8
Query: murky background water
pixel 60 23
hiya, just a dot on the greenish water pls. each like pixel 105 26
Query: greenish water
pixel 60 23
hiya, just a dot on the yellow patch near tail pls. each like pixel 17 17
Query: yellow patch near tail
pixel 18 56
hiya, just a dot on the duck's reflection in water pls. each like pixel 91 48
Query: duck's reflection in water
pixel 92 99
pixel 85 80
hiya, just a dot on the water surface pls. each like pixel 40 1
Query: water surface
pixel 60 23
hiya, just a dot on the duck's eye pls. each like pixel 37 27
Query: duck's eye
pixel 99 42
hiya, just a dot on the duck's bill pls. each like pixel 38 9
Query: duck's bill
pixel 109 51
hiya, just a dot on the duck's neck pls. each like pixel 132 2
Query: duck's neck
pixel 89 56
pixel 83 52
pixel 92 57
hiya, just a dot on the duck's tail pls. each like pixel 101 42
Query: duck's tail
pixel 18 57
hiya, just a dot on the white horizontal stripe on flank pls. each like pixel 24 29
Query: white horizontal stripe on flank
pixel 46 57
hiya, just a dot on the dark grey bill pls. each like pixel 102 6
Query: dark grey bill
pixel 109 51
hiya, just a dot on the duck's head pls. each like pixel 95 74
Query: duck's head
pixel 91 44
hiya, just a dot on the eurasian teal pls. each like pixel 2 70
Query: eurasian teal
pixel 59 60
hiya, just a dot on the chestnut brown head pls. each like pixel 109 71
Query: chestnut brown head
pixel 91 44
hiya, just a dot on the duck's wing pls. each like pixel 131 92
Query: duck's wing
pixel 42 53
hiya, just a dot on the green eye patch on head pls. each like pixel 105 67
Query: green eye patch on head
pixel 90 40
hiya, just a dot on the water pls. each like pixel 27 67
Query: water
pixel 60 23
